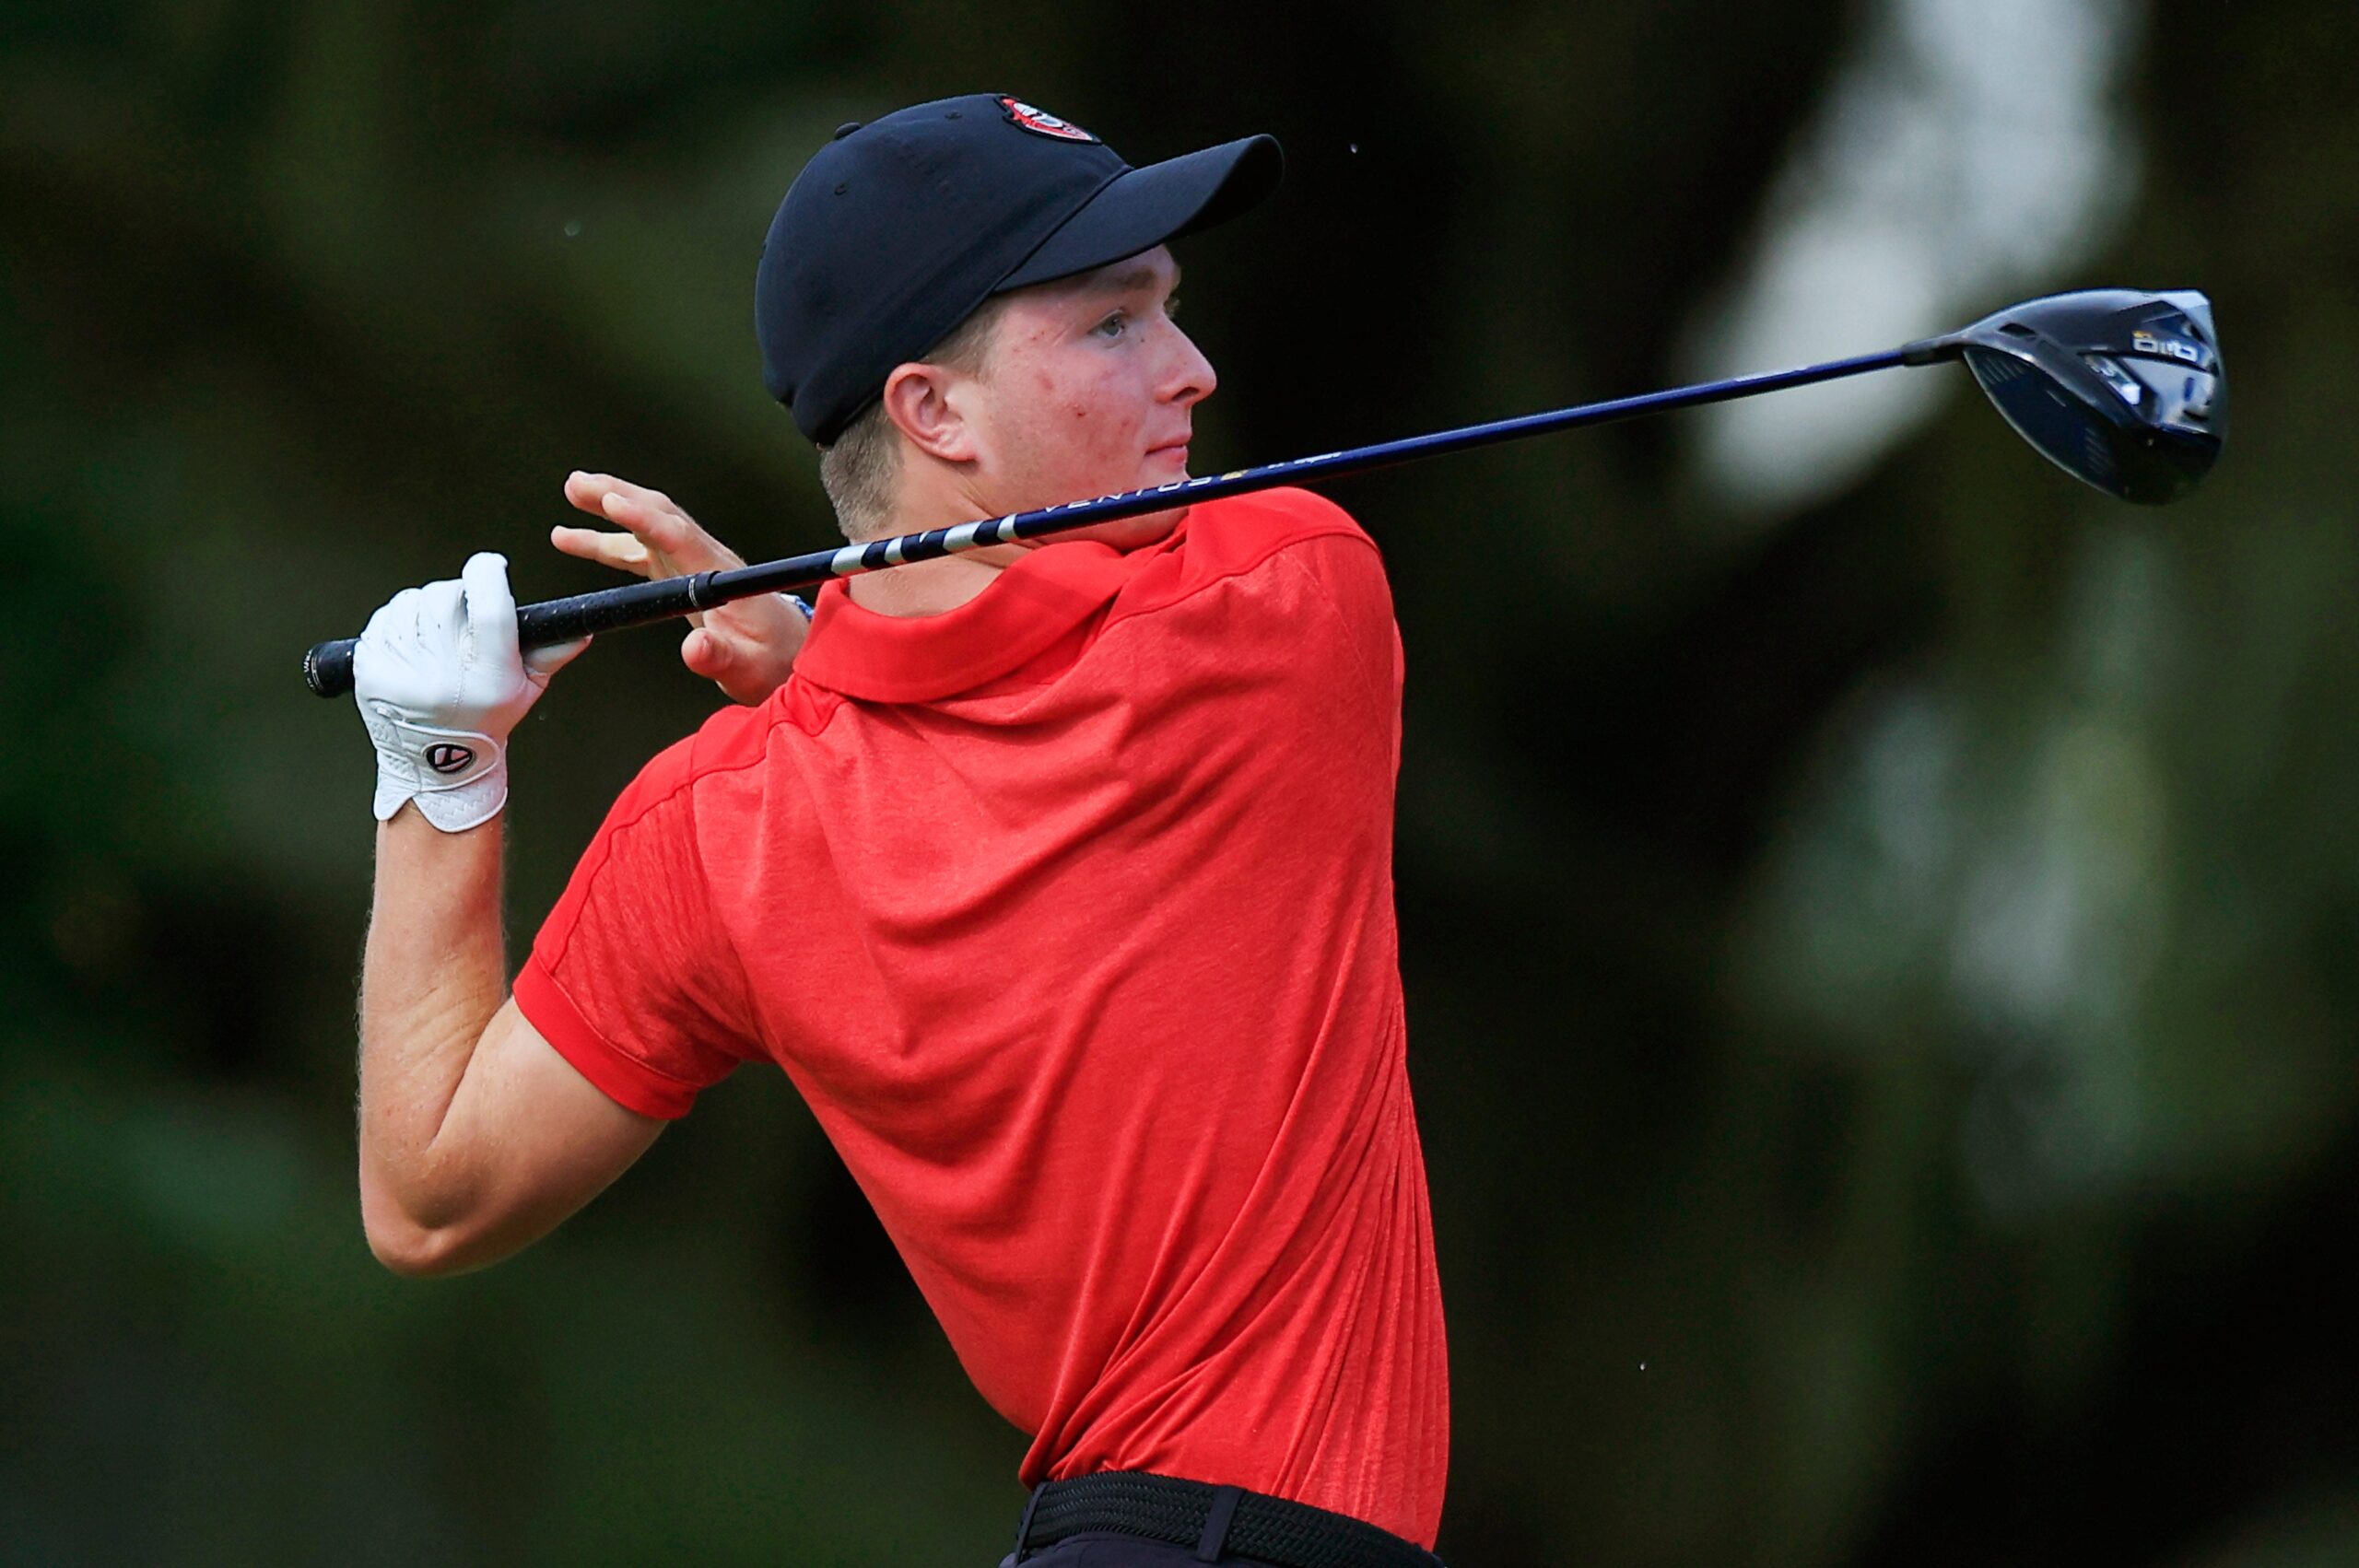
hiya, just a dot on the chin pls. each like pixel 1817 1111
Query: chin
pixel 1133 532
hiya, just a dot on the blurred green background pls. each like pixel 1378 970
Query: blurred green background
pixel 1879 917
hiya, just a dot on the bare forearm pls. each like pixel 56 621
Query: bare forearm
pixel 434 973
pixel 476 1135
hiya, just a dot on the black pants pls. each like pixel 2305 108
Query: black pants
pixel 1090 1549
pixel 1095 1515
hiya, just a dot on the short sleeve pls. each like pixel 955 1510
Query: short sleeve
pixel 632 976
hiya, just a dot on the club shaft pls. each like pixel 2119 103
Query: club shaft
pixel 327 668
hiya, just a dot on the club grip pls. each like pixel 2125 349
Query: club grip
pixel 327 668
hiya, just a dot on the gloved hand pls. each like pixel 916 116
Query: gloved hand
pixel 439 683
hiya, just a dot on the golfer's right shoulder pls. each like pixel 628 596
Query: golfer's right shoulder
pixel 634 975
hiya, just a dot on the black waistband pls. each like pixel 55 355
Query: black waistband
pixel 1212 1519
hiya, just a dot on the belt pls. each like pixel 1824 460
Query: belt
pixel 1212 1519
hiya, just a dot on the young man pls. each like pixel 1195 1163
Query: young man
pixel 1058 877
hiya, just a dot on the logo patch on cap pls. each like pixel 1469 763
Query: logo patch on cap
pixel 1041 123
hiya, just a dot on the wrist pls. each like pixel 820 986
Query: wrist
pixel 458 778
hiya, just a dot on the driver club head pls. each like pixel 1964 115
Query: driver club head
pixel 2121 388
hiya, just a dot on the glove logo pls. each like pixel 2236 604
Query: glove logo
pixel 445 757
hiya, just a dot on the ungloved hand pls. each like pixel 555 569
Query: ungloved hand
pixel 440 683
pixel 745 647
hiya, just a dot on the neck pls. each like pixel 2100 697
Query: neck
pixel 930 588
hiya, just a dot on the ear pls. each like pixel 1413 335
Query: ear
pixel 923 403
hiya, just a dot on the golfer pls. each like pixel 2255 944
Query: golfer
pixel 1056 876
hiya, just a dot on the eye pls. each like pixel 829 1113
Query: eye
pixel 1171 308
pixel 1113 324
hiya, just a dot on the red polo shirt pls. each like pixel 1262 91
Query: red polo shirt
pixel 1069 913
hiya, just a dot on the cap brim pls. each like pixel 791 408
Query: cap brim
pixel 1141 208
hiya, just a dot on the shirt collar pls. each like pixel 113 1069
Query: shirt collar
pixel 1030 604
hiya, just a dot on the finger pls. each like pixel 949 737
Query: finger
pixel 547 661
pixel 388 636
pixel 491 608
pixel 589 490
pixel 619 551
pixel 395 615
pixel 588 493
pixel 666 528
pixel 659 528
pixel 440 609
pixel 658 520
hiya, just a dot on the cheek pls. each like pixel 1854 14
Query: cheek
pixel 1084 419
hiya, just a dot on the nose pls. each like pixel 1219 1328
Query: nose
pixel 1189 379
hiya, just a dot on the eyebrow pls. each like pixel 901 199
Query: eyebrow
pixel 1130 278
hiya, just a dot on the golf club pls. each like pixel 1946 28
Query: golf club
pixel 2122 389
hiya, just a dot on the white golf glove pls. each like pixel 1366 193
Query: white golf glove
pixel 440 683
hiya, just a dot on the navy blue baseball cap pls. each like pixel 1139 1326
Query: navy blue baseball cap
pixel 896 230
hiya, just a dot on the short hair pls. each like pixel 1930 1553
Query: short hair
pixel 858 468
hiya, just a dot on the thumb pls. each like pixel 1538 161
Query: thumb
pixel 491 607
pixel 712 657
pixel 731 663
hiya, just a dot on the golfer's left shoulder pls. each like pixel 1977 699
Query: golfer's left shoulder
pixel 1285 529
pixel 1292 573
